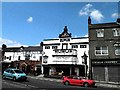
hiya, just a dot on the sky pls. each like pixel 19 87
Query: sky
pixel 29 23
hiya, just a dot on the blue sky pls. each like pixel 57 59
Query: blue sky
pixel 29 23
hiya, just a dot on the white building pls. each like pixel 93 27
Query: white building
pixel 27 59
pixel 27 53
pixel 65 54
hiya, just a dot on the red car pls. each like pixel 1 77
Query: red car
pixel 75 80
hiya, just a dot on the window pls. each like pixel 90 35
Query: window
pixel 83 46
pixel 64 46
pixel 40 58
pixel 117 50
pixel 47 47
pixel 5 57
pixel 64 39
pixel 101 50
pixel 74 46
pixel 18 71
pixel 12 71
pixel 100 33
pixel 116 31
pixel 10 58
pixel 7 70
pixel 27 56
pixel 54 47
pixel 18 57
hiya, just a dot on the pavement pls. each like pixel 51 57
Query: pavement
pixel 98 83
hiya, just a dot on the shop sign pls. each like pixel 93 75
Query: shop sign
pixel 105 62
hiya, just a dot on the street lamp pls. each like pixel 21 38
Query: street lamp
pixel 84 57
pixel 42 62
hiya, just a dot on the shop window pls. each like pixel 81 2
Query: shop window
pixel 101 50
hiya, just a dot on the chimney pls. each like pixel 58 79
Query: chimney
pixel 89 20
pixel 118 20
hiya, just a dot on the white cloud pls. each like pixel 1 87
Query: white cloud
pixel 85 10
pixel 115 15
pixel 30 19
pixel 10 43
pixel 94 13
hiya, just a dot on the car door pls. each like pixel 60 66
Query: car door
pixel 78 81
pixel 70 79
pixel 6 73
pixel 75 80
pixel 11 74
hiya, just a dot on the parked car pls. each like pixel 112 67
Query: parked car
pixel 14 74
pixel 75 80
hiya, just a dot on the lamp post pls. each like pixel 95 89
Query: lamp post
pixel 84 57
pixel 42 62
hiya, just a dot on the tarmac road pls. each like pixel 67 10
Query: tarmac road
pixel 41 84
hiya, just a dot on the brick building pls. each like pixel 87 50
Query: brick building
pixel 104 51
pixel 27 59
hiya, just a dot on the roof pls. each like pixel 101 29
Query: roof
pixel 104 25
pixel 65 33
pixel 18 49
pixel 33 48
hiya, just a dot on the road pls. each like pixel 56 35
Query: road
pixel 38 84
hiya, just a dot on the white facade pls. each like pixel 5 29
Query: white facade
pixel 65 51
pixel 64 55
pixel 68 50
pixel 16 56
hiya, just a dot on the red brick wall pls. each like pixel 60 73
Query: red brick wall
pixel 28 64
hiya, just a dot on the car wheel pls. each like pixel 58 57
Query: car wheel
pixel 86 84
pixel 14 78
pixel 3 77
pixel 66 83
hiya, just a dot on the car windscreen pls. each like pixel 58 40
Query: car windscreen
pixel 18 71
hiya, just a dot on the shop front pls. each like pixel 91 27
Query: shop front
pixel 64 70
pixel 106 70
